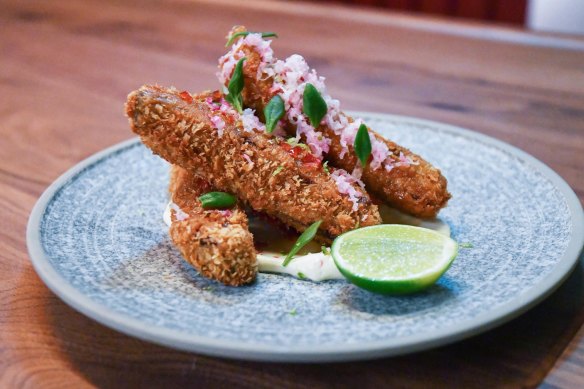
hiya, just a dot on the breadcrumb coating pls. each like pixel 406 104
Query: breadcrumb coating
pixel 416 188
pixel 250 164
pixel 217 243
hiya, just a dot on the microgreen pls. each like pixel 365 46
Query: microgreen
pixel 325 167
pixel 217 200
pixel 325 250
pixel 362 144
pixel 236 86
pixel 301 275
pixel 302 241
pixel 294 143
pixel 273 111
pixel 277 171
pixel 233 37
pixel 314 106
pixel 293 312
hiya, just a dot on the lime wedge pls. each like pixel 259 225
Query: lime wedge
pixel 393 258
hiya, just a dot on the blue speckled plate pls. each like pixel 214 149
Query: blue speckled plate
pixel 97 239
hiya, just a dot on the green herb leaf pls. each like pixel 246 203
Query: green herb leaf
pixel 325 167
pixel 277 171
pixel 293 312
pixel 217 200
pixel 302 241
pixel 466 245
pixel 362 144
pixel 233 37
pixel 325 250
pixel 273 112
pixel 301 275
pixel 314 106
pixel 236 86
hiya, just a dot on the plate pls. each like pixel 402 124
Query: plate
pixel 97 239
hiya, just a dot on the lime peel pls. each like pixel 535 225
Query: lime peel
pixel 393 258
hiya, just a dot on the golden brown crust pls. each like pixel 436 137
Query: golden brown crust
pixel 418 189
pixel 252 165
pixel 216 242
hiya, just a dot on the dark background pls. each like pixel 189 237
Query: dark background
pixel 501 11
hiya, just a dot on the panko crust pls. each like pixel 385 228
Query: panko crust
pixel 250 164
pixel 419 189
pixel 217 243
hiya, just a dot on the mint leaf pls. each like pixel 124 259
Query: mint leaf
pixel 314 106
pixel 362 144
pixel 273 112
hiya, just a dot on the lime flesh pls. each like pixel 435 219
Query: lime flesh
pixel 393 258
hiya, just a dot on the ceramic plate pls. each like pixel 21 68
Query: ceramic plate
pixel 97 239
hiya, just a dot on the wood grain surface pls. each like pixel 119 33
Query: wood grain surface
pixel 65 70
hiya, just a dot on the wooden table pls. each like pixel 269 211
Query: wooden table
pixel 66 67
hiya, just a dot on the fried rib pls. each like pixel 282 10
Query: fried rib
pixel 410 184
pixel 257 168
pixel 216 242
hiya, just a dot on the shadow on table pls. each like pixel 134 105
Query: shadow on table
pixel 517 354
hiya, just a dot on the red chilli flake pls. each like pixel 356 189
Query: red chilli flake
pixel 186 96
pixel 302 155
pixel 296 152
pixel 310 158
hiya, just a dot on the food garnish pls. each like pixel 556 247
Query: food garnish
pixel 277 171
pixel 186 96
pixel 295 143
pixel 394 174
pixel 301 152
pixel 302 241
pixel 236 35
pixel 314 106
pixel 362 145
pixel 393 258
pixel 236 86
pixel 217 200
pixel 273 112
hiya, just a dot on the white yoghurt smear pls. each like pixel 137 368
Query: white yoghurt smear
pixel 311 263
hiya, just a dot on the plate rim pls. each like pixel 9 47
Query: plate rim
pixel 331 353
